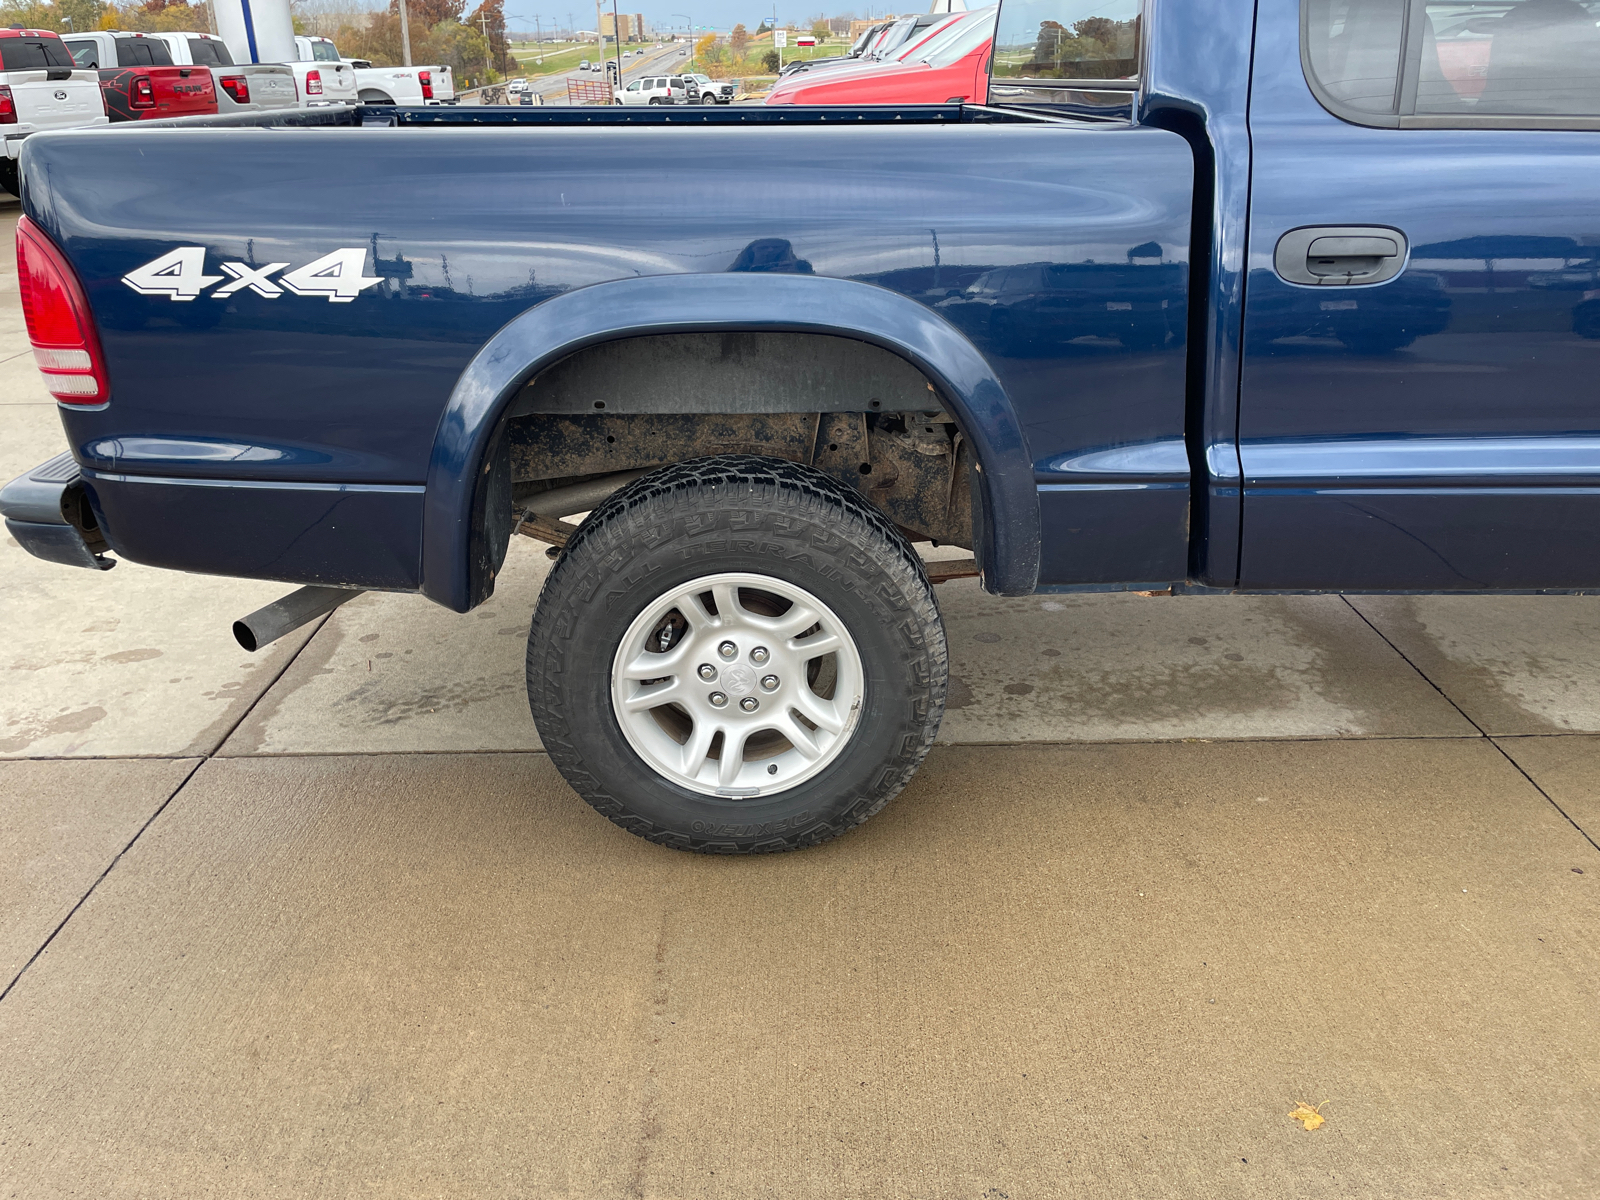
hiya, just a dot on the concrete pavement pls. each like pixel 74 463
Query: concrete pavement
pixel 324 922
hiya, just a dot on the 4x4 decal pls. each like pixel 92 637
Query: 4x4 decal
pixel 181 275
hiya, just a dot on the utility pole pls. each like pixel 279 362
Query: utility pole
pixel 405 35
pixel 599 33
pixel 616 29
pixel 536 43
pixel 488 53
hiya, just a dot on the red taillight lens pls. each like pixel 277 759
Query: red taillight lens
pixel 144 95
pixel 8 107
pixel 426 78
pixel 313 83
pixel 65 344
pixel 238 87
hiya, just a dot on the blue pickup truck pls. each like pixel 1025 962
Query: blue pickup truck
pixel 1211 296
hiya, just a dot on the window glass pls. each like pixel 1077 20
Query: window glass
pixel 83 53
pixel 207 53
pixel 19 55
pixel 634 86
pixel 1534 56
pixel 1354 49
pixel 1067 39
pixel 324 52
pixel 676 82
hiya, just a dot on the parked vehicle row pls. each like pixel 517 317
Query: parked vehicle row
pixel 928 59
pixel 688 88
pixel 107 75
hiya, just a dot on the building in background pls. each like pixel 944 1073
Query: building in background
pixel 632 26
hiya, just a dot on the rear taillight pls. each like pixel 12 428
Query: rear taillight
pixel 8 107
pixel 313 83
pixel 65 344
pixel 238 87
pixel 143 94
pixel 426 78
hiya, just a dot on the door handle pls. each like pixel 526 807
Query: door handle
pixel 1340 255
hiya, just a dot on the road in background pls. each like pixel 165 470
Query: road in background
pixel 552 89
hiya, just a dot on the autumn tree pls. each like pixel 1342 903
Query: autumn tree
pixel 428 13
pixel 739 41
pixel 489 18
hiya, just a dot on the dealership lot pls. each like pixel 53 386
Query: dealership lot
pixel 324 921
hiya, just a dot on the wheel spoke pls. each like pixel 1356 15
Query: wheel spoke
pixel 729 610
pixel 695 612
pixel 698 746
pixel 800 738
pixel 653 666
pixel 732 756
pixel 822 713
pixel 797 620
pixel 655 696
pixel 815 646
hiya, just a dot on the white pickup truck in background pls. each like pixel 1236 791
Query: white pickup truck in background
pixel 40 88
pixel 241 87
pixel 323 77
pixel 411 86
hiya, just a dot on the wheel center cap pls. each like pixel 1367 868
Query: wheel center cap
pixel 739 679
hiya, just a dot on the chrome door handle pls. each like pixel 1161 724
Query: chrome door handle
pixel 1340 255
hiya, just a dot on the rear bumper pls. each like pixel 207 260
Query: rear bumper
pixel 47 511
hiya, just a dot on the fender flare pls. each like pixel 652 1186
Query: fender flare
pixel 1008 549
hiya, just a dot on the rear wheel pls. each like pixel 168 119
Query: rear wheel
pixel 737 655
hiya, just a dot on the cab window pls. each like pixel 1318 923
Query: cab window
pixel 142 52
pixel 1518 63
pixel 83 54
pixel 1054 41
pixel 207 53
pixel 324 52
pixel 32 54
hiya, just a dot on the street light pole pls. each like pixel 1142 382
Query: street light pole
pixel 616 30
pixel 689 19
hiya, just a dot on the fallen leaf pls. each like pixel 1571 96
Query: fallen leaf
pixel 1308 1116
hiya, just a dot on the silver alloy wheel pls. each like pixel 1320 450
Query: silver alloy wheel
pixel 750 694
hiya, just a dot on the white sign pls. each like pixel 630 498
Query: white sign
pixel 804 40
pixel 780 38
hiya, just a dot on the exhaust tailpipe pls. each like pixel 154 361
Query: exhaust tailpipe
pixel 284 616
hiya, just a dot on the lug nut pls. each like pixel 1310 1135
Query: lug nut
pixel 749 704
pixel 769 682
pixel 718 699
pixel 759 655
pixel 772 769
pixel 727 649
pixel 707 672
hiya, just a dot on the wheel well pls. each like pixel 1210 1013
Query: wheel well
pixel 373 96
pixel 854 411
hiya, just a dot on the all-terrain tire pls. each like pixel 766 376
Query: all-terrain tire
pixel 752 516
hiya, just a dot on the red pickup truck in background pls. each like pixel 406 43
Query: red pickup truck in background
pixel 139 79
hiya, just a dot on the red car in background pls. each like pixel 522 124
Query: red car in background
pixel 138 79
pixel 950 65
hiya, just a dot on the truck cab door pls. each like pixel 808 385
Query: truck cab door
pixel 1418 406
